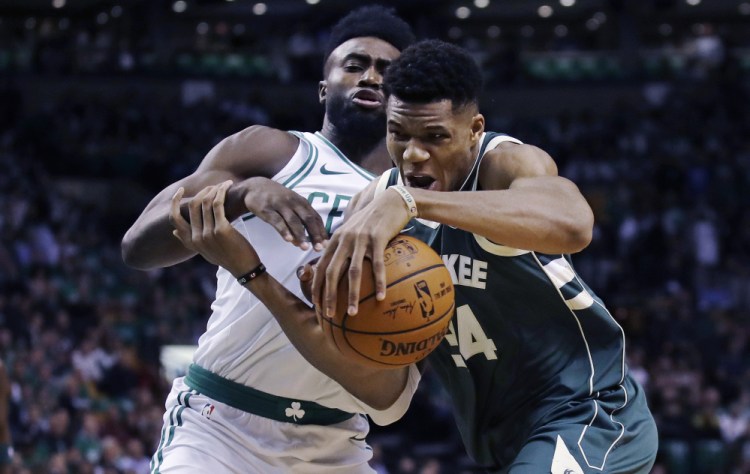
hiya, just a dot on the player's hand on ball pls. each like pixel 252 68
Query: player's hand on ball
pixel 210 233
pixel 365 234
pixel 409 322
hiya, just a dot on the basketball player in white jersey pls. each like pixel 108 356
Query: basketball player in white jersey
pixel 250 402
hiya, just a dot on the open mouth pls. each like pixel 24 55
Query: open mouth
pixel 368 99
pixel 421 181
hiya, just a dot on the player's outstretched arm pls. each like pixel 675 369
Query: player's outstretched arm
pixel 524 204
pixel 210 233
pixel 148 243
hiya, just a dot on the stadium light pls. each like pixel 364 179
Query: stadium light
pixel 58 3
pixel 179 6
pixel 312 2
pixel 567 3
pixel 692 2
pixel 593 24
pixel 463 12
pixel 481 3
pixel 545 11
pixel 260 8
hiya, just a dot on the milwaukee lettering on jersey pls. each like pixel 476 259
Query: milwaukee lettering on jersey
pixel 466 271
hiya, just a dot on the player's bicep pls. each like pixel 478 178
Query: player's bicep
pixel 509 162
pixel 256 151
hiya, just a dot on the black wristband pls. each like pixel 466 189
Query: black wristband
pixel 251 275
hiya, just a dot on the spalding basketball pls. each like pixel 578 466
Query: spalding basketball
pixel 411 321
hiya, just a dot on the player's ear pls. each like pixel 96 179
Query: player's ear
pixel 477 128
pixel 322 91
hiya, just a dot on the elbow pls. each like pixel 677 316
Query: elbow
pixel 580 231
pixel 128 256
pixel 129 253
pixel 578 221
pixel 579 240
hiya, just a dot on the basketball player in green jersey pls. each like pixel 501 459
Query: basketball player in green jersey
pixel 534 362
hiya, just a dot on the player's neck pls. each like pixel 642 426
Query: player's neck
pixel 368 152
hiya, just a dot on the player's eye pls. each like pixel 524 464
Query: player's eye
pixel 353 67
pixel 397 135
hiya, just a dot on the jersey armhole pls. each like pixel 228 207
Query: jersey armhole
pixel 399 407
pixel 497 249
pixel 493 140
pixel 303 158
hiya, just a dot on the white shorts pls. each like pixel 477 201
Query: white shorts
pixel 201 435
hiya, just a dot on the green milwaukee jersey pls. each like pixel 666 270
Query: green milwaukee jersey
pixel 531 346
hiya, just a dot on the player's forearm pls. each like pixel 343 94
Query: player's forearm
pixel 544 214
pixel 149 243
pixel 377 388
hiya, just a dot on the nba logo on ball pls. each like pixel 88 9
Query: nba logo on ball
pixel 412 319
pixel 425 299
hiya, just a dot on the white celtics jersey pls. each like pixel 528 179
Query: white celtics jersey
pixel 243 342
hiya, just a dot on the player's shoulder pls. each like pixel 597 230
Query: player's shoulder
pixel 499 146
pixel 262 132
pixel 254 151
pixel 508 159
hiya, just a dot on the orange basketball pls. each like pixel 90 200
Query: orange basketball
pixel 411 321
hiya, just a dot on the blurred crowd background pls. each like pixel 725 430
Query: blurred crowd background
pixel 643 103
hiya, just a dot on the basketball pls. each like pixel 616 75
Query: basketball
pixel 412 319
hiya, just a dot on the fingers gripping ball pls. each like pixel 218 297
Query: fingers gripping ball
pixel 411 321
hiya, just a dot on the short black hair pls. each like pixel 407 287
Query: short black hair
pixel 433 70
pixel 372 20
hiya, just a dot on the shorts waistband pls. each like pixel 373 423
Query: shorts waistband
pixel 259 403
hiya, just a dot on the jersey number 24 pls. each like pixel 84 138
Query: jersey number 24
pixel 470 338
